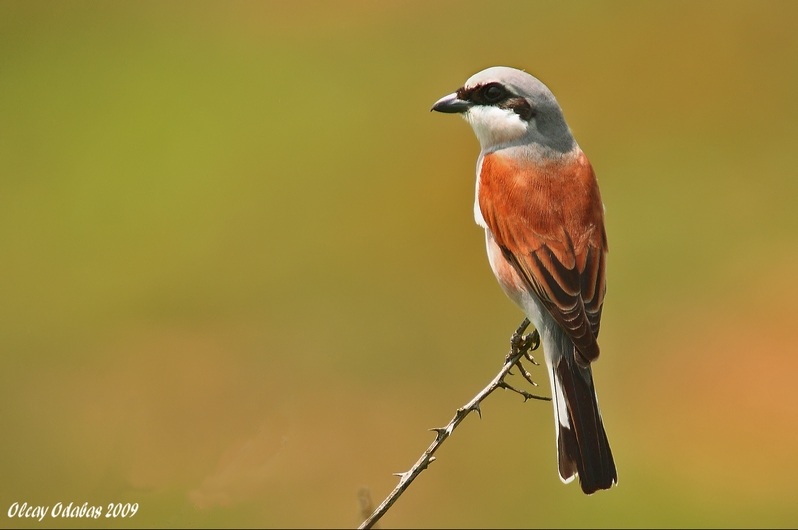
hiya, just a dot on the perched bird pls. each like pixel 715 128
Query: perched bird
pixel 538 200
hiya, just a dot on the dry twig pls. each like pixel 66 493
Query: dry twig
pixel 521 345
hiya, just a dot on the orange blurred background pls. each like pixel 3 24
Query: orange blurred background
pixel 240 277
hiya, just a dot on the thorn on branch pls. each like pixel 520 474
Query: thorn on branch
pixel 523 393
pixel 440 433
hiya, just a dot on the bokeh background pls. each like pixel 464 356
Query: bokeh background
pixel 240 278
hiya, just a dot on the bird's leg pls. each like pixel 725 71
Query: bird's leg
pixel 521 345
pixel 525 343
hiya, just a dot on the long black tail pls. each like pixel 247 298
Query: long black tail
pixel 582 444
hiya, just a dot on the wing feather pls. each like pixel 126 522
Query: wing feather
pixel 549 223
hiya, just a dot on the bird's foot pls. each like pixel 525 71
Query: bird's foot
pixel 521 345
pixel 524 343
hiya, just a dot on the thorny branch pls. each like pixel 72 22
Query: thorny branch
pixel 520 346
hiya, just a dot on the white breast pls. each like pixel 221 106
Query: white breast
pixel 477 210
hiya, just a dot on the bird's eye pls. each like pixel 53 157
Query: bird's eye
pixel 493 93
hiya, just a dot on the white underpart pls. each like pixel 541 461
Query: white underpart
pixel 477 210
pixel 494 126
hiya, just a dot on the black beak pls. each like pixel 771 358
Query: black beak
pixel 451 104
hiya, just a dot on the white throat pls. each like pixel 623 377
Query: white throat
pixel 494 126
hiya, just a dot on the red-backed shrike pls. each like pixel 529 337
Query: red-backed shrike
pixel 538 200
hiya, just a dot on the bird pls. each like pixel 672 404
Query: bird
pixel 538 200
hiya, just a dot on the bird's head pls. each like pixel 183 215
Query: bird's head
pixel 508 107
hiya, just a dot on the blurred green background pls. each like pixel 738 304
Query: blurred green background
pixel 240 277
